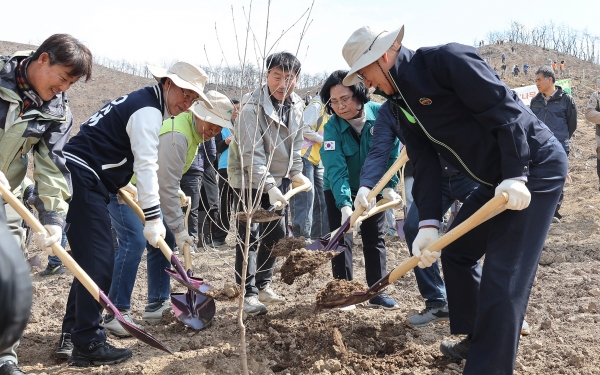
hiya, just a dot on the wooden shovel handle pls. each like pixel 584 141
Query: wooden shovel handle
pixel 162 245
pixel 292 192
pixel 402 159
pixel 187 258
pixel 61 253
pixel 492 208
pixel 381 206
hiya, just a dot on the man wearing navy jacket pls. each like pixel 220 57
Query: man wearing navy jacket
pixel 117 141
pixel 450 103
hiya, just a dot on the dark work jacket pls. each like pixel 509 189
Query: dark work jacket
pixel 559 114
pixel 207 153
pixel 456 107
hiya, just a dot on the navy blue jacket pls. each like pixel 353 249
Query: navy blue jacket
pixel 452 104
pixel 207 154
pixel 559 114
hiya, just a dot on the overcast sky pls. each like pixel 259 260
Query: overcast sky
pixel 159 32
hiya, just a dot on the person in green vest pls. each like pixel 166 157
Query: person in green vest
pixel 179 138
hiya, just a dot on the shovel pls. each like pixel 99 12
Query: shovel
pixel 80 274
pixel 202 309
pixel 270 215
pixel 400 222
pixel 492 208
pixel 381 206
pixel 331 241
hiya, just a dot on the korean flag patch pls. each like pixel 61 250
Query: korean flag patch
pixel 329 145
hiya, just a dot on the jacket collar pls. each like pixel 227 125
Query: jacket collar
pixel 557 94
pixel 262 98
pixel 403 61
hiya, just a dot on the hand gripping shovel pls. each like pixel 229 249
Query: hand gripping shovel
pixel 202 308
pixel 270 215
pixel 489 210
pixel 331 241
pixel 80 274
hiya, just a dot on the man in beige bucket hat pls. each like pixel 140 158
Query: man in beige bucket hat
pixel 119 140
pixel 448 102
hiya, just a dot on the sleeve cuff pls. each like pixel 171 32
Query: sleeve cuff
pixel 429 222
pixel 152 213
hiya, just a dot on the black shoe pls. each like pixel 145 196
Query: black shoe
pixel 53 270
pixel 98 353
pixel 65 347
pixel 212 242
pixel 456 351
pixel 10 368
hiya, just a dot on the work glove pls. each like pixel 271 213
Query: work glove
pixel 182 198
pixel 4 181
pixel 153 230
pixel 276 196
pixel 319 139
pixel 346 213
pixel 183 237
pixel 361 199
pixel 390 194
pixel 45 241
pixel 424 239
pixel 300 179
pixel 519 196
pixel 132 190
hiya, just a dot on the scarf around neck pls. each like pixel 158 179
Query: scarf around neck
pixel 30 98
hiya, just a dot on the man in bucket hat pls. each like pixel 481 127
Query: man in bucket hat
pixel 448 102
pixel 177 148
pixel 117 141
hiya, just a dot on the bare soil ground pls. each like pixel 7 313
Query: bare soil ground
pixel 563 311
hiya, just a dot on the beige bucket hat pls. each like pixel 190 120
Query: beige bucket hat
pixel 220 112
pixel 365 46
pixel 185 75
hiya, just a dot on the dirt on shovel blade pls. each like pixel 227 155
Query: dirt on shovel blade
pixel 338 289
pixel 259 215
pixel 284 247
pixel 303 261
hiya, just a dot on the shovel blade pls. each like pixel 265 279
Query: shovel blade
pixel 400 228
pixel 195 284
pixel 133 330
pixel 193 309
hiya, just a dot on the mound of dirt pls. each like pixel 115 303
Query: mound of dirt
pixel 285 246
pixel 303 261
pixel 338 289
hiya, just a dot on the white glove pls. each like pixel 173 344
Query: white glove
pixel 182 198
pixel 390 194
pixel 276 196
pixel 300 179
pixel 424 239
pixel 361 199
pixel 131 189
pixel 44 241
pixel 346 213
pixel 519 196
pixel 181 238
pixel 319 139
pixel 153 230
pixel 4 181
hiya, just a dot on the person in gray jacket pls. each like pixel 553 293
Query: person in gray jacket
pixel 265 151
pixel 557 109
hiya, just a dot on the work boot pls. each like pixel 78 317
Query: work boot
pixel 456 351
pixel 65 347
pixel 154 311
pixel 252 306
pixel 383 301
pixel 10 368
pixel 98 353
pixel 53 270
pixel 269 297
pixel 429 315
pixel 113 326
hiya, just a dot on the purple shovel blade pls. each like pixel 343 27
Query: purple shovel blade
pixel 180 275
pixel 200 314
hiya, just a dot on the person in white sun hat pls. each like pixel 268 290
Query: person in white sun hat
pixel 117 141
pixel 447 101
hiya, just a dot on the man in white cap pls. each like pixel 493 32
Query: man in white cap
pixel 117 141
pixel 448 102
pixel 177 148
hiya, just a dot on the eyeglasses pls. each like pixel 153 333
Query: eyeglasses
pixel 188 98
pixel 343 102
pixel 360 76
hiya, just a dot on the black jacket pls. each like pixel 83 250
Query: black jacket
pixel 559 114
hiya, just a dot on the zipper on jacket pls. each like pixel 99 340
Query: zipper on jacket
pixel 435 140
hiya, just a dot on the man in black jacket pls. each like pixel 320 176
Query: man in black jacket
pixel 450 103
pixel 557 110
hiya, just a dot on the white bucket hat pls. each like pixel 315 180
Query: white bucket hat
pixel 184 75
pixel 220 112
pixel 365 46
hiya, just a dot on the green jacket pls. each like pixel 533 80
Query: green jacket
pixel 44 131
pixel 343 157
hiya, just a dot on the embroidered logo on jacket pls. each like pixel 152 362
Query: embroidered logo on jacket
pixel 329 145
pixel 425 101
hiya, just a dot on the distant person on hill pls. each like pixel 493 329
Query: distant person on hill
pixel 35 117
pixel 562 67
pixel 307 98
pixel 503 68
pixel 554 67
pixel 526 68
pixel 516 70
pixel 592 114
pixel 503 58
pixel 512 48
pixel 557 110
